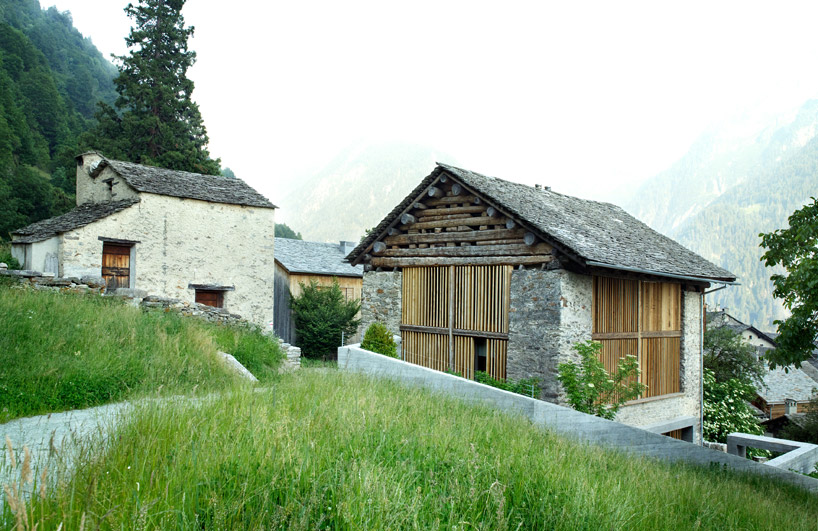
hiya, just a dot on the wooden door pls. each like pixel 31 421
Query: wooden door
pixel 116 265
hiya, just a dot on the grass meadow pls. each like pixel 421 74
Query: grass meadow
pixel 61 351
pixel 330 450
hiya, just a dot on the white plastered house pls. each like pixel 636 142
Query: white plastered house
pixel 192 237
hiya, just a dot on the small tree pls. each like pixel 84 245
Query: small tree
pixel 378 338
pixel 322 317
pixel 729 356
pixel 726 408
pixel 796 249
pixel 591 389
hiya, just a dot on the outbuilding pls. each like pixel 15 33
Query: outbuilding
pixel 478 273
pixel 174 234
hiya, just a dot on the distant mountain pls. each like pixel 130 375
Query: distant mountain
pixel 356 190
pixel 50 81
pixel 735 182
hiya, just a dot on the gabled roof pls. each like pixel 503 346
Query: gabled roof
pixel 162 181
pixel 737 326
pixel 79 217
pixel 298 256
pixel 780 385
pixel 594 233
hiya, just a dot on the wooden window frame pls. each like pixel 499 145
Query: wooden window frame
pixel 210 288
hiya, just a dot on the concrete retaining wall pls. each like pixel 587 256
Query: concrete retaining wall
pixel 562 420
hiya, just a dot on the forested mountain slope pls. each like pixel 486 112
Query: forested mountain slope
pixel 356 190
pixel 724 192
pixel 50 80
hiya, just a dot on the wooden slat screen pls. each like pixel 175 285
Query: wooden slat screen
pixel 479 297
pixel 628 315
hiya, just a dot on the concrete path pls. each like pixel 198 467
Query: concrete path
pixel 61 431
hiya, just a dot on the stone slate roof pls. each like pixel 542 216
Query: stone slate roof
pixel 590 230
pixel 176 183
pixel 780 385
pixel 79 217
pixel 298 256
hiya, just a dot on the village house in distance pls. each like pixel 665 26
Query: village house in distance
pixel 478 273
pixel 196 238
pixel 301 262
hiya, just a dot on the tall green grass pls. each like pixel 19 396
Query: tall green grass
pixel 63 351
pixel 330 450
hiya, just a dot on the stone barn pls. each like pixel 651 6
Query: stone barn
pixel 196 238
pixel 480 274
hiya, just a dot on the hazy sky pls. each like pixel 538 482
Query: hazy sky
pixel 586 97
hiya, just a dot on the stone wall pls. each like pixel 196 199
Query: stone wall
pixel 183 242
pixel 381 300
pixel 549 311
pixel 95 189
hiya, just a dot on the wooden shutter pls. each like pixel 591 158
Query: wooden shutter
pixel 642 319
pixel 213 298
pixel 445 308
pixel 116 265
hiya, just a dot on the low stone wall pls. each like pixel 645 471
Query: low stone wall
pixel 562 420
pixel 96 286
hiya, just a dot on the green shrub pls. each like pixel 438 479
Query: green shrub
pixel 322 318
pixel 591 389
pixel 5 256
pixel 378 338
pixel 526 386
pixel 726 408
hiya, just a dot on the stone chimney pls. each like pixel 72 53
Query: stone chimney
pixel 347 247
pixel 790 406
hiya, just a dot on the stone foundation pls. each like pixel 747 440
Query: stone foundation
pixel 381 300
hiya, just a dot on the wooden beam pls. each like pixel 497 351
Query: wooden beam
pixel 378 247
pixel 406 219
pixel 467 222
pixel 455 331
pixel 474 250
pixel 491 212
pixel 529 238
pixel 393 231
pixel 449 200
pixel 442 261
pixel 457 189
pixel 435 192
pixel 444 178
pixel 476 201
pixel 450 210
pixel 510 224
pixel 463 236
pixel 420 206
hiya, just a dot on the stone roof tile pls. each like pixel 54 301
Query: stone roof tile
pixel 298 256
pixel 79 217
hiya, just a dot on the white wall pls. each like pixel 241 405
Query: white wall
pixel 186 241
pixel 38 256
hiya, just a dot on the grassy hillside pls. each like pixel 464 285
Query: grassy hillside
pixel 64 351
pixel 330 450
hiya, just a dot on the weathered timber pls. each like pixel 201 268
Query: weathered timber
pixel 470 221
pixel 444 178
pixel 435 192
pixel 444 216
pixel 457 189
pixel 393 231
pixel 510 224
pixel 441 237
pixel 468 260
pixel 477 201
pixel 454 331
pixel 474 250
pixel 636 335
pixel 367 257
pixel 449 200
pixel 450 210
pixel 406 219
pixel 529 238
pixel 367 268
pixel 419 206
pixel 378 247
pixel 502 241
pixel 491 212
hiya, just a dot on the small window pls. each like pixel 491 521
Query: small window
pixel 210 297
pixel 480 354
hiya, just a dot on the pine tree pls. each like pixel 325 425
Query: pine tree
pixel 154 121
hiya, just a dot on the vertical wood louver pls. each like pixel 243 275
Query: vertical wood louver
pixel 643 319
